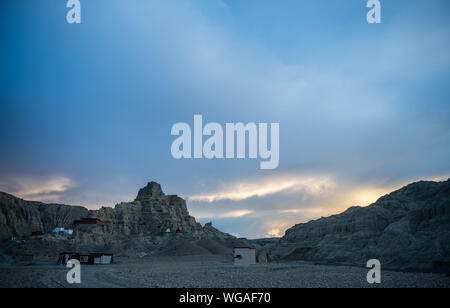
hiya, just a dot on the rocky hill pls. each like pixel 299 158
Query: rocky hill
pixel 20 218
pixel 408 229
pixel 152 224
pixel 152 212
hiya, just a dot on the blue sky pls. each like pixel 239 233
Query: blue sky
pixel 87 109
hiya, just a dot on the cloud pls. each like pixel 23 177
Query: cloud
pixel 274 233
pixel 271 213
pixel 245 189
pixel 236 214
pixel 38 189
pixel 370 103
pixel 228 214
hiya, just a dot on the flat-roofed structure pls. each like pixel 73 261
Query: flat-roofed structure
pixel 244 256
pixel 87 258
pixel 88 221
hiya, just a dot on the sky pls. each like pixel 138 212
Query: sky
pixel 87 109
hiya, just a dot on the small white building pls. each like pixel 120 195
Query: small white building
pixel 68 231
pixel 103 259
pixel 244 256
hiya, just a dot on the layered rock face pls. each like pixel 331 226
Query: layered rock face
pixel 133 229
pixel 20 218
pixel 407 229
pixel 152 212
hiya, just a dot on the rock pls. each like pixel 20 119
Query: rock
pixel 407 229
pixel 20 218
pixel 152 212
pixel 153 190
pixel 266 256
pixel 128 229
pixel 209 227
pixel 262 257
pixel 59 215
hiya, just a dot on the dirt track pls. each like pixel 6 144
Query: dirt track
pixel 207 272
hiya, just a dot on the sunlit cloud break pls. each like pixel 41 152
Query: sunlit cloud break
pixel 231 214
pixel 311 185
pixel 42 189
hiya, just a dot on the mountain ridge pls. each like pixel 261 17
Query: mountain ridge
pixel 406 229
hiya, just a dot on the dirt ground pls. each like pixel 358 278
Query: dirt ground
pixel 208 272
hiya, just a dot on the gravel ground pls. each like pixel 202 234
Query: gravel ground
pixel 211 272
